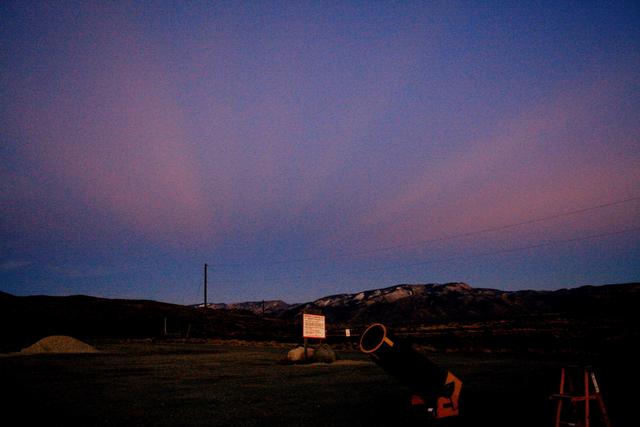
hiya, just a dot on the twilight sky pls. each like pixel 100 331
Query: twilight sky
pixel 307 149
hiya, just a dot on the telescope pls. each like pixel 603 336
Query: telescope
pixel 431 385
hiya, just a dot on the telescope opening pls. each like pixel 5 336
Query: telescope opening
pixel 373 338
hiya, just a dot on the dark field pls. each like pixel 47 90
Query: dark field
pixel 242 385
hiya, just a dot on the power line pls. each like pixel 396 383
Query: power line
pixel 439 239
pixel 456 258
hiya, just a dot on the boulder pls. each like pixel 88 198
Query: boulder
pixel 324 353
pixel 297 354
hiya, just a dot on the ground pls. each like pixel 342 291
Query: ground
pixel 224 384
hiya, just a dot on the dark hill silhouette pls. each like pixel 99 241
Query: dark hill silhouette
pixel 30 318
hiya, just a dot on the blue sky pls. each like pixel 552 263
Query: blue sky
pixel 310 148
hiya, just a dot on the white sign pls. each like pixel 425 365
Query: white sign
pixel 347 332
pixel 313 326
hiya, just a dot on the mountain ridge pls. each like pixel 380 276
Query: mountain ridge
pixel 454 301
pixel 445 316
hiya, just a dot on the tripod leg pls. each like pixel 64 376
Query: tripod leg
pixel 586 398
pixel 603 410
pixel 559 405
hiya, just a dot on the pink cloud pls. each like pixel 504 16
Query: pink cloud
pixel 107 128
pixel 558 155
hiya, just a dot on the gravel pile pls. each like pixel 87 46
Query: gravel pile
pixel 59 344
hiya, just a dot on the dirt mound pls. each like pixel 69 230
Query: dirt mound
pixel 59 344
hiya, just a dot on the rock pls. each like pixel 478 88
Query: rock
pixel 325 354
pixel 297 354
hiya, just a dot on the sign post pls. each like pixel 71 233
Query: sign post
pixel 313 326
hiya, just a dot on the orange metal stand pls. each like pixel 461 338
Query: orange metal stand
pixel 572 393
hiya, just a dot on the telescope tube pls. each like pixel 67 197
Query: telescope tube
pixel 436 387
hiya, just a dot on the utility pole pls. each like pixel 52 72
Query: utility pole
pixel 205 285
